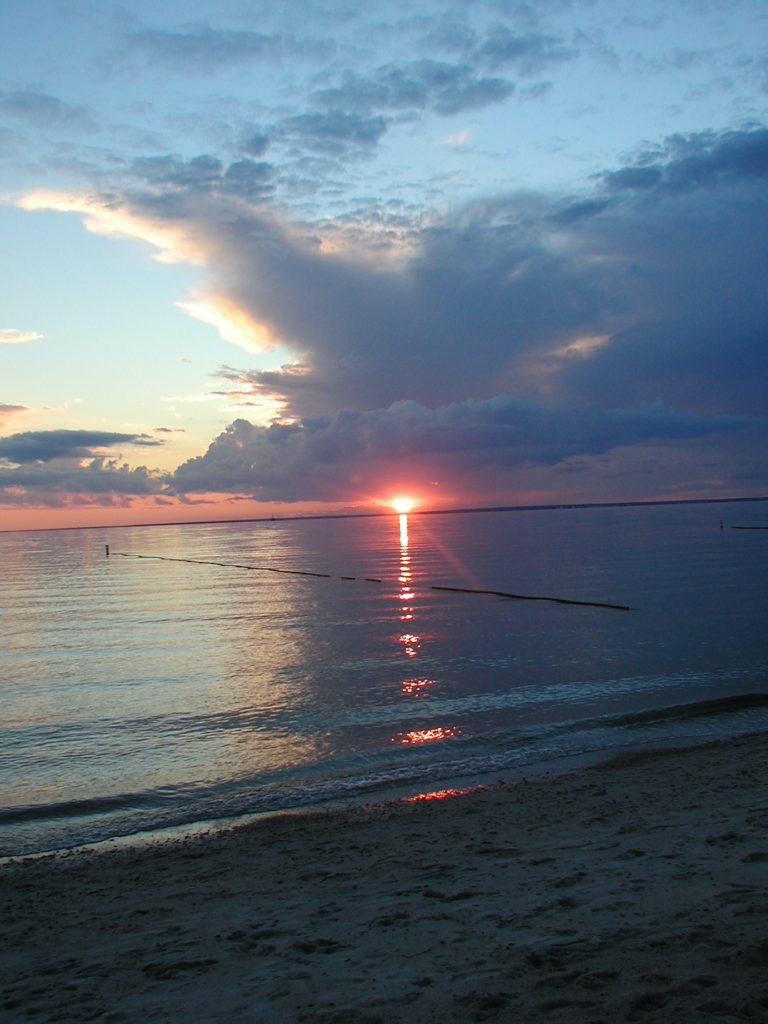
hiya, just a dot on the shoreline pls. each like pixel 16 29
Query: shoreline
pixel 392 793
pixel 628 890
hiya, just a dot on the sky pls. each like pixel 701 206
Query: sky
pixel 277 258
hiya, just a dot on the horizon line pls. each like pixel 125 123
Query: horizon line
pixel 414 512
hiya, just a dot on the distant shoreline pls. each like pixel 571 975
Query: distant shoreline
pixel 414 512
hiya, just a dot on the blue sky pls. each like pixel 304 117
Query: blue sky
pixel 263 256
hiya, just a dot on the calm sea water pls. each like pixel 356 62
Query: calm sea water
pixel 144 693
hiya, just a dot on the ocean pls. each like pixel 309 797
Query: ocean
pixel 248 668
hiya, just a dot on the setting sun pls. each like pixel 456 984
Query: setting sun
pixel 403 505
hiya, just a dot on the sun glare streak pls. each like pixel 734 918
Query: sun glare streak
pixel 403 534
pixel 452 559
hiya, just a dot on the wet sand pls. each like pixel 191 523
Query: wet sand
pixel 636 891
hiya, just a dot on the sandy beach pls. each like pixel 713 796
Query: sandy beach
pixel 635 891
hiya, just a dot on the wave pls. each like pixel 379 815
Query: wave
pixel 70 808
pixel 697 709
pixel 511 752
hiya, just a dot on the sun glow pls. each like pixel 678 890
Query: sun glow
pixel 403 505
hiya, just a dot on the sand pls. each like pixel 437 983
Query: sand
pixel 633 892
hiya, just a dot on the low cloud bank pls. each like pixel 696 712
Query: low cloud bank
pixel 326 457
pixel 38 464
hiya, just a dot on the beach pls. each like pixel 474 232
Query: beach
pixel 631 891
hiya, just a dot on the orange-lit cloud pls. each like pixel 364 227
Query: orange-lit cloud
pixel 180 242
pixel 174 244
pixel 584 346
pixel 233 323
pixel 9 336
pixel 8 412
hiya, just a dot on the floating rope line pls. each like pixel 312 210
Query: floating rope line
pixel 371 579
pixel 529 597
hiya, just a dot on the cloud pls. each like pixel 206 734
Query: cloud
pixel 535 92
pixel 322 458
pixel 30 483
pixel 39 467
pixel 10 336
pixel 158 221
pixel 7 412
pixel 647 289
pixel 706 159
pixel 201 49
pixel 42 110
pixel 246 178
pixel 460 140
pixel 528 54
pixel 45 445
pixel 255 143
pixel 294 375
pixel 498 46
pixel 492 297
pixel 444 88
pixel 336 132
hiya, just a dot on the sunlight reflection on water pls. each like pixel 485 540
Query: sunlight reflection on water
pixel 196 688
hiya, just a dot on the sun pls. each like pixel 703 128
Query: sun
pixel 403 505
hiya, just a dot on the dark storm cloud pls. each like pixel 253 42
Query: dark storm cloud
pixel 444 88
pixel 316 460
pixel 696 161
pixel 46 445
pixel 42 110
pixel 689 240
pixel 576 324
pixel 624 296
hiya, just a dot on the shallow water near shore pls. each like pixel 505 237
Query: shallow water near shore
pixel 146 693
